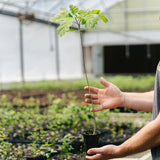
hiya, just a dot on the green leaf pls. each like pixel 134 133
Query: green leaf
pixel 64 26
pixel 47 155
pixel 86 10
pixel 70 15
pixel 91 21
pixel 73 9
pixel 81 12
pixel 80 17
pixel 83 21
pixel 60 17
pixel 53 151
pixel 105 20
pixel 95 12
pixel 71 30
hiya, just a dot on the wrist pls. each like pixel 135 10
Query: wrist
pixel 122 151
pixel 116 151
pixel 123 99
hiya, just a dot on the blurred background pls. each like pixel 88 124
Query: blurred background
pixel 30 49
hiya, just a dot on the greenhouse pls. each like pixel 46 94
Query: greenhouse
pixel 125 36
pixel 28 33
pixel 46 73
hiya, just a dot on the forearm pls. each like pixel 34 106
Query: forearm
pixel 148 137
pixel 139 101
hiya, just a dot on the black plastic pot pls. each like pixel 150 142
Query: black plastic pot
pixel 90 140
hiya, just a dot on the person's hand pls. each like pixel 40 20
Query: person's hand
pixel 108 98
pixel 104 153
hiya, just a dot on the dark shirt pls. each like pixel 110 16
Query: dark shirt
pixel 156 108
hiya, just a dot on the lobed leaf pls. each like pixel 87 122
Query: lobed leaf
pixel 91 21
pixel 81 12
pixel 95 12
pixel 73 9
pixel 60 17
pixel 105 20
pixel 65 26
pixel 79 17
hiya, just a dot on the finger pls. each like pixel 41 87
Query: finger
pixel 94 151
pixel 92 89
pixel 93 101
pixel 100 108
pixel 94 96
pixel 94 157
pixel 104 82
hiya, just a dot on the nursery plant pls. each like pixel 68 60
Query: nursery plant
pixel 27 133
pixel 75 19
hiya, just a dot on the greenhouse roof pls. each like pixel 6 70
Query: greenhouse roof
pixel 46 8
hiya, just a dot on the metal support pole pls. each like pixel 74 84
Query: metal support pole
pixel 127 52
pixel 21 49
pixel 149 55
pixel 144 15
pixel 51 37
pixel 126 15
pixel 57 54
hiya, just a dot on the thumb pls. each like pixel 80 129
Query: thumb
pixel 94 151
pixel 104 82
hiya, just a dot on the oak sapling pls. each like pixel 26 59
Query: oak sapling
pixel 80 19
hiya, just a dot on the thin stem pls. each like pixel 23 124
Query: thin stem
pixel 85 71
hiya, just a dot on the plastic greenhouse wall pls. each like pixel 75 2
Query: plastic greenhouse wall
pixel 39 47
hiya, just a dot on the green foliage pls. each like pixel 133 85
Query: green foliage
pixel 2 136
pixel 77 17
pixel 74 10
pixel 66 22
pixel 134 83
pixel 66 143
pixel 45 129
pixel 10 151
pixel 124 82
